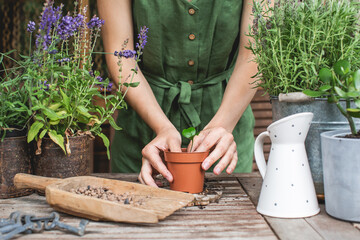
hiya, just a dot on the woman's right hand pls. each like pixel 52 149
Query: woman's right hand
pixel 167 139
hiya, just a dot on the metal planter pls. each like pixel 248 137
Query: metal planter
pixel 326 118
pixel 341 164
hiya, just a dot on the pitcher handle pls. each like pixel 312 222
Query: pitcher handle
pixel 259 152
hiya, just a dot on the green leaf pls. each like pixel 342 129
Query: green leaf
pixel 353 94
pixel 34 130
pixel 354 112
pixel 106 143
pixel 342 67
pixel 62 114
pixel 312 93
pixel 113 124
pixel 24 56
pixel 357 103
pixel 39 118
pixel 189 133
pixel 54 106
pixel 51 114
pixel 340 92
pixel 324 88
pixel 42 134
pixel 133 84
pixel 356 77
pixel 55 122
pixel 84 111
pixel 325 75
pixel 332 99
pixel 66 100
pixel 57 138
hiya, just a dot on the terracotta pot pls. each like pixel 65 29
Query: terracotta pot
pixel 52 162
pixel 186 170
pixel 14 158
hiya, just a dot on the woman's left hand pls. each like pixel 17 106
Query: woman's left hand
pixel 223 145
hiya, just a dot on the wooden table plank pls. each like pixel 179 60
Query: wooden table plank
pixel 331 228
pixel 233 217
pixel 321 226
pixel 291 229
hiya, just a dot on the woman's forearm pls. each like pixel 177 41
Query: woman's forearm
pixel 118 28
pixel 240 90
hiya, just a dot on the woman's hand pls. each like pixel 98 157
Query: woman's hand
pixel 223 145
pixel 239 90
pixel 166 139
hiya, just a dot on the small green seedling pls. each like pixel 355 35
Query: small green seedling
pixel 190 133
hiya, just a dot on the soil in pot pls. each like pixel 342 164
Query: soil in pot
pixel 52 162
pixel 186 170
pixel 14 158
pixel 357 135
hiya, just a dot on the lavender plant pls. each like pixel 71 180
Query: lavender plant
pixel 61 81
pixel 292 40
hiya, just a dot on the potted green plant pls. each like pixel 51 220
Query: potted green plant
pixel 62 86
pixel 292 40
pixel 341 161
pixel 14 114
pixel 185 166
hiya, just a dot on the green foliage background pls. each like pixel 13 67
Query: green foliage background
pixel 295 39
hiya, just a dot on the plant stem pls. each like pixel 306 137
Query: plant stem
pixel 348 117
pixel 192 143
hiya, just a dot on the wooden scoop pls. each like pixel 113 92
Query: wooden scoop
pixel 158 203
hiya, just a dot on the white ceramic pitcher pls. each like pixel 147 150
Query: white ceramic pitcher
pixel 288 189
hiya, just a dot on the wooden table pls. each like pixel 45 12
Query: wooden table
pixel 233 217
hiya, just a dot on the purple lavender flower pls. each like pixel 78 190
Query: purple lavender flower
pixel 109 87
pixel 91 73
pixel 142 36
pixel 63 60
pixel 125 53
pixel 100 79
pixel 95 22
pixel 31 26
pixel 54 51
pixel 45 86
pixel 69 25
pixel 49 17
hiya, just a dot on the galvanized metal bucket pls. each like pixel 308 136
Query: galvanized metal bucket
pixel 327 117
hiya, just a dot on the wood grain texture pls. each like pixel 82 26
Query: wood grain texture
pixel 158 203
pixel 233 217
pixel 331 228
pixel 320 226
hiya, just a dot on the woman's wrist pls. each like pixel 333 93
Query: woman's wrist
pixel 164 127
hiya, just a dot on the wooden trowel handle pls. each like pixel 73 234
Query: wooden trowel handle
pixel 23 180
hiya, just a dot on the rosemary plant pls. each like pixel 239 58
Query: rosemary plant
pixel 292 40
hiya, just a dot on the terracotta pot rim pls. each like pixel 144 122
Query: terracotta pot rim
pixel 190 153
pixel 185 157
pixel 184 151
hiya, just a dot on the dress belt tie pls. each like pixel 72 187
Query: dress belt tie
pixel 184 89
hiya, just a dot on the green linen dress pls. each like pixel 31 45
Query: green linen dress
pixel 188 59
